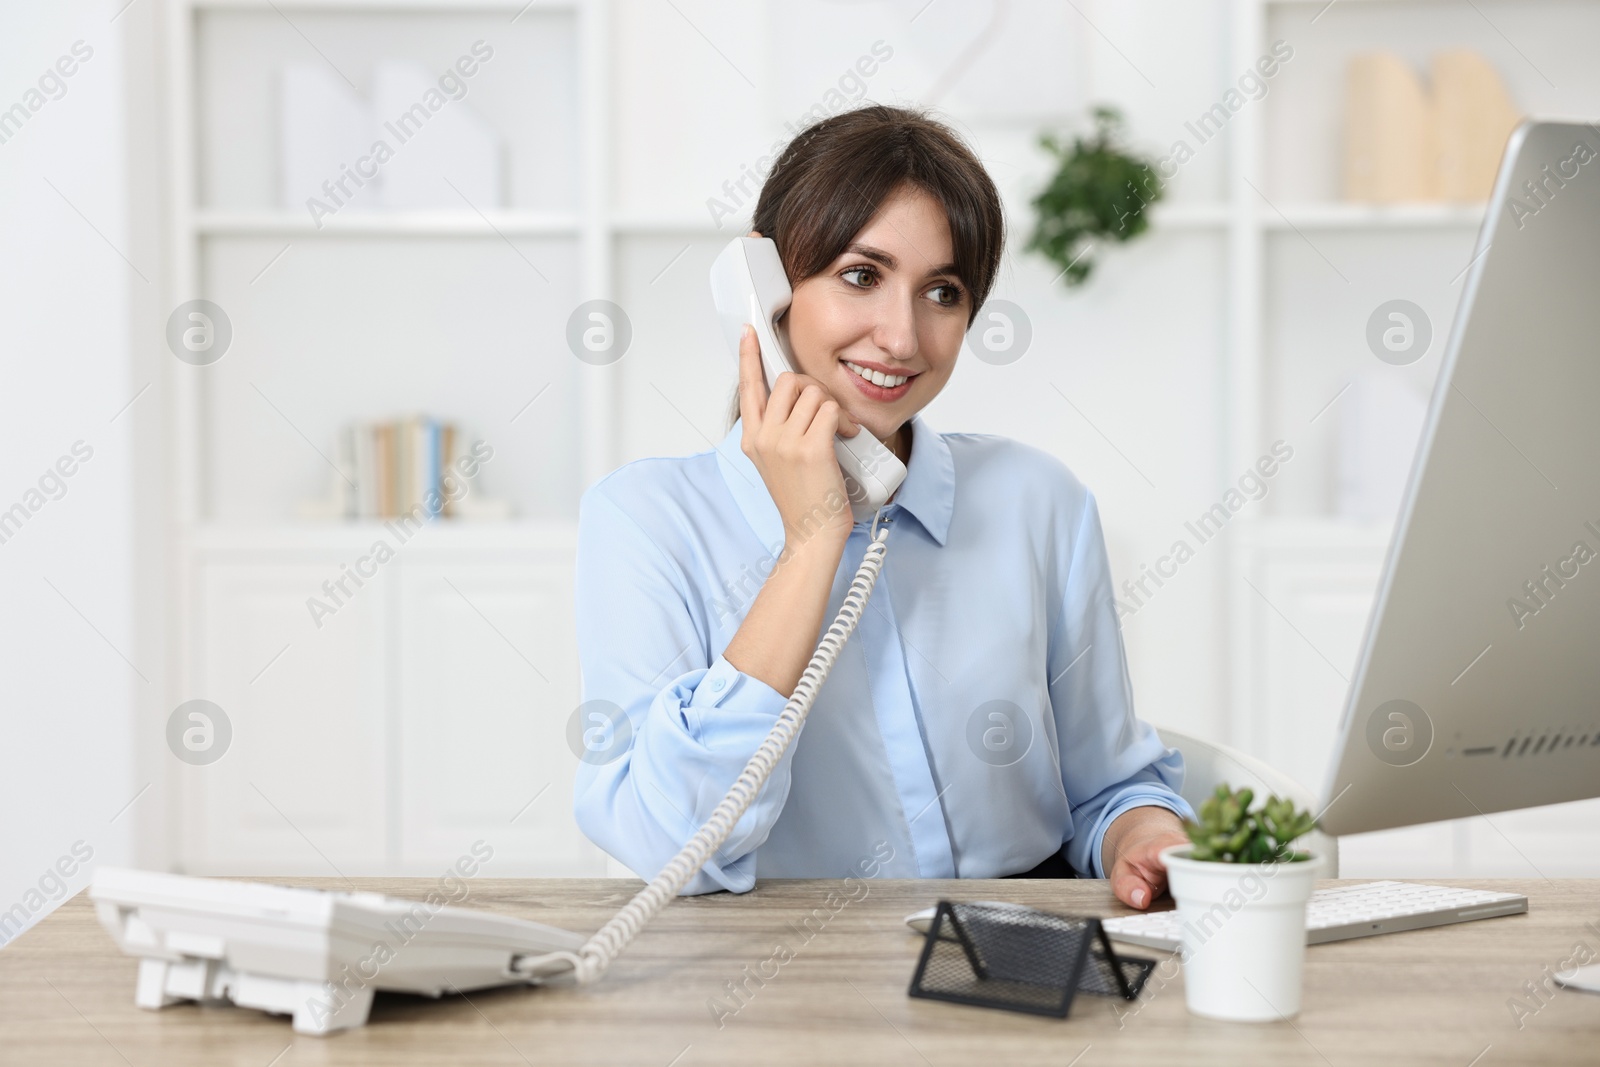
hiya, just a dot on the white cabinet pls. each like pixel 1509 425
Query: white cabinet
pixel 488 672
pixel 428 709
pixel 301 787
pixel 426 712
pixel 1300 610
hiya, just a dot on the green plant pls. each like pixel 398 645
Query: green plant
pixel 1229 832
pixel 1098 191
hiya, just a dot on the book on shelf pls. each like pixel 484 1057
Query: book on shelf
pixel 408 466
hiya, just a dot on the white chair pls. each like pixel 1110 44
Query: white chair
pixel 1207 765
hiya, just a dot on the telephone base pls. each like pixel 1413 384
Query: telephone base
pixel 315 955
pixel 317 1007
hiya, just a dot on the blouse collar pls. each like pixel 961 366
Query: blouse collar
pixel 927 494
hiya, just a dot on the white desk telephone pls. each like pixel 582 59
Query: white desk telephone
pixel 307 953
pixel 748 285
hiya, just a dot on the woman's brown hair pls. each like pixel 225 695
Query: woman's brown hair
pixel 834 176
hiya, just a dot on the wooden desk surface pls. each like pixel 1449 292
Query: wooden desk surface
pixel 1435 996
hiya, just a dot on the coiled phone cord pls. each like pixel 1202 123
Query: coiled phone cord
pixel 591 961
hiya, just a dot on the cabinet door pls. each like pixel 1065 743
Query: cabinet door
pixel 488 679
pixel 301 788
pixel 1302 625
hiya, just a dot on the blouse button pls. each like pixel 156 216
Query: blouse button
pixel 717 685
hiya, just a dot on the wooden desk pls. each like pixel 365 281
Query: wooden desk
pixel 1425 997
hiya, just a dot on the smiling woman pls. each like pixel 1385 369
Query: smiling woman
pixel 980 720
pixel 837 204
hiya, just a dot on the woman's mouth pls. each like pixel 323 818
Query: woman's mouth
pixel 876 385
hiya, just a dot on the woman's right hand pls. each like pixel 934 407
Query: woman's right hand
pixel 788 435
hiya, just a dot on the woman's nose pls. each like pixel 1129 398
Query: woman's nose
pixel 896 329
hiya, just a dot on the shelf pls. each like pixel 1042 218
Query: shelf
pixel 388 224
pixel 1331 3
pixel 212 538
pixel 212 223
pixel 647 224
pixel 1162 216
pixel 562 224
pixel 447 7
pixel 1336 216
pixel 1314 531
pixel 1181 216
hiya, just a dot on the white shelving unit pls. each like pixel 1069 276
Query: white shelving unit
pixel 1301 582
pixel 1258 216
pixel 193 224
pixel 343 765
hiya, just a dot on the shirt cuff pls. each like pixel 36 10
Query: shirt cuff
pixel 1171 801
pixel 725 686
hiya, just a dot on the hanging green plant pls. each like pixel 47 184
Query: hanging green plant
pixel 1099 192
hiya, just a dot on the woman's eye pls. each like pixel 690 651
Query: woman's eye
pixel 952 293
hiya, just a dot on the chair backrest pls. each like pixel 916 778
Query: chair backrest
pixel 1207 764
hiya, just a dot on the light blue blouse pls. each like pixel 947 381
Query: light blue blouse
pixel 979 718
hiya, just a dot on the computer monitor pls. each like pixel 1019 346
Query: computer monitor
pixel 1478 684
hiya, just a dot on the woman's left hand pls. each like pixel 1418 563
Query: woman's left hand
pixel 1131 844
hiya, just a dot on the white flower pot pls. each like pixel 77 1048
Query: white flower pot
pixel 1244 933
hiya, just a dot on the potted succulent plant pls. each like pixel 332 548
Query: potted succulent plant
pixel 1241 892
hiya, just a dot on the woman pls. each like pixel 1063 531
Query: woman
pixel 979 723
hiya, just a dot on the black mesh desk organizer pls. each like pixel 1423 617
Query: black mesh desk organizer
pixel 1019 959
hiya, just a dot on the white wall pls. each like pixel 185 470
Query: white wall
pixel 71 663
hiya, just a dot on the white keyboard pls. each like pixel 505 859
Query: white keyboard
pixel 1347 911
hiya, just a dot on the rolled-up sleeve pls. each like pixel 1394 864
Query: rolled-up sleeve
pixel 1110 761
pixel 686 722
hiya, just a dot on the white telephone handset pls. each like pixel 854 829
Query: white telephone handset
pixel 748 285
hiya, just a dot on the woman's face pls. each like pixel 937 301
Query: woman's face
pixel 890 305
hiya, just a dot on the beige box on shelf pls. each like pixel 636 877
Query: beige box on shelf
pixel 1389 146
pixel 1404 142
pixel 1474 117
